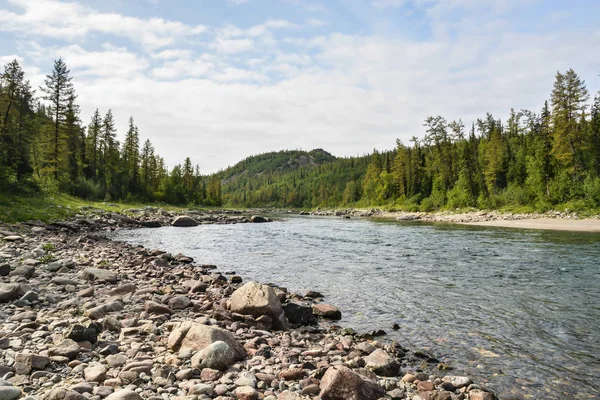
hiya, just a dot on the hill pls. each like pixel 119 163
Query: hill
pixel 276 161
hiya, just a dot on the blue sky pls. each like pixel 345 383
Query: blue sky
pixel 221 80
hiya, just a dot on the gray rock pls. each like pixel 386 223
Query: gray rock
pixel 299 313
pixel 62 281
pixel 457 381
pixel 4 269
pixel 67 348
pixel 124 394
pixel 184 221
pixel 381 363
pixel 10 292
pixel 195 336
pixel 258 219
pixel 26 271
pixel 327 311
pixel 180 302
pixel 103 309
pixel 217 356
pixel 153 307
pixel 341 383
pixel 9 392
pixel 95 372
pixel 99 275
pixel 80 333
pixel 13 238
pixel 257 300
pixel 25 362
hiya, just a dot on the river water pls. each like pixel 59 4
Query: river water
pixel 518 310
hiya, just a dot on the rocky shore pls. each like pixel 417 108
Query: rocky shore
pixel 85 317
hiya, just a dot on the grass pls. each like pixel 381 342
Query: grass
pixel 57 207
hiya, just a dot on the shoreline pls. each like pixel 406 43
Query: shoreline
pixel 84 314
pixel 553 220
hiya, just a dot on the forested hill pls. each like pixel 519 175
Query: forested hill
pixel 537 160
pixel 276 161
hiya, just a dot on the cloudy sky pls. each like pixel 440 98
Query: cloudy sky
pixel 219 80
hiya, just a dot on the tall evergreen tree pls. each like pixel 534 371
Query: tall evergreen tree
pixel 131 156
pixel 59 90
pixel 93 145
pixel 569 98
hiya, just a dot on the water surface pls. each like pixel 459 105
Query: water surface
pixel 516 309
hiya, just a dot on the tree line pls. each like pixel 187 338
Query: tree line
pixel 44 143
pixel 535 159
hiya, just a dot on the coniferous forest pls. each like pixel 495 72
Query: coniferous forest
pixel 45 146
pixel 537 159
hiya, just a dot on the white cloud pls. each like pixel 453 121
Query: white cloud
pixel 237 2
pixel 62 20
pixel 230 46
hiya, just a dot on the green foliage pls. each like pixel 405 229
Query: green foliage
pixel 46 259
pixel 49 247
pixel 591 190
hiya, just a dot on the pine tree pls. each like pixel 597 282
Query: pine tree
pixel 569 98
pixel 109 153
pixel 16 122
pixel 131 155
pixel 59 90
pixel 594 136
pixel 148 166
pixel 73 134
pixel 93 142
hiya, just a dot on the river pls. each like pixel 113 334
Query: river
pixel 518 310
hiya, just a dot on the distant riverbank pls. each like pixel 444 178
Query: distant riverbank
pixel 549 221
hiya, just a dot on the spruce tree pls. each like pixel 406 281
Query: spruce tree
pixel 58 90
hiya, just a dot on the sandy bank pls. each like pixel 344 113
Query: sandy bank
pixel 582 225
pixel 548 221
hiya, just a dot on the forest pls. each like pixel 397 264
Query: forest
pixel 46 148
pixel 533 160
pixel 538 160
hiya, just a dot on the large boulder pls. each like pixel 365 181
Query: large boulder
pixel 257 300
pixel 341 383
pixel 381 363
pixel 195 336
pixel 184 221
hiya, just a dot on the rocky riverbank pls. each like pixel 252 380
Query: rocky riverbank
pixel 85 317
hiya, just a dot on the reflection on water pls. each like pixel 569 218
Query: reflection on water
pixel 517 309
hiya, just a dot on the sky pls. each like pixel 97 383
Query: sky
pixel 220 80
